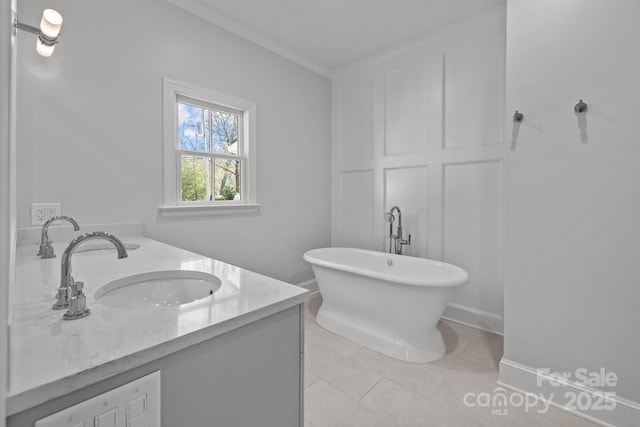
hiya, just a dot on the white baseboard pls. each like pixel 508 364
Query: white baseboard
pixel 525 379
pixel 475 318
pixel 311 285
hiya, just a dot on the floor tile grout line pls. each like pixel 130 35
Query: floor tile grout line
pixel 419 397
pixel 379 414
pixel 363 406
pixel 328 381
pixel 371 388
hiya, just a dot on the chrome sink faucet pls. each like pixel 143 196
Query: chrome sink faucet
pixel 46 249
pixel 70 292
pixel 396 241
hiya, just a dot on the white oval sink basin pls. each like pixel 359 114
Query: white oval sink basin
pixel 101 248
pixel 158 289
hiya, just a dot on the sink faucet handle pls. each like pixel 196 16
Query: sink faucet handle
pixel 76 288
pixel 403 242
pixel 77 303
pixel 46 251
pixel 62 298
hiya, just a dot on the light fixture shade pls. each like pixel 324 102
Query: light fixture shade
pixel 51 23
pixel 45 50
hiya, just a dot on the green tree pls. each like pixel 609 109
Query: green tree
pixel 194 179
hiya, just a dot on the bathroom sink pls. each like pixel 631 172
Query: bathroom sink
pixel 101 248
pixel 158 289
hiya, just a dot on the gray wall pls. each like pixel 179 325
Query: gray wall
pixel 90 129
pixel 573 188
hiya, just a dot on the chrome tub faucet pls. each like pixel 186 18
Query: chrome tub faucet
pixel 396 241
pixel 46 248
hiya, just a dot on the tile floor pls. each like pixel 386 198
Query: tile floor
pixel 348 385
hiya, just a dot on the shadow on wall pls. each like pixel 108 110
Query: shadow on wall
pixel 582 125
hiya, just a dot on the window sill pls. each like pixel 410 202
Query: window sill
pixel 209 210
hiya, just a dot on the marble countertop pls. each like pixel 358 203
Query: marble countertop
pixel 50 357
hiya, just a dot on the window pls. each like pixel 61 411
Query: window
pixel 209 152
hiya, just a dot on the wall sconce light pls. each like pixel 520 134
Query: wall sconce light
pixel 47 33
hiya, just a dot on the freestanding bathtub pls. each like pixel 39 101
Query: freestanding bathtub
pixel 389 303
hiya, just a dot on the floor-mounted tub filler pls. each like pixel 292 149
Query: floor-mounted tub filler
pixel 387 302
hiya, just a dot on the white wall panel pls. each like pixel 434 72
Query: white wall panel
pixel 474 94
pixel 356 119
pixel 450 196
pixel 407 188
pixel 472 231
pixel 356 206
pixel 407 109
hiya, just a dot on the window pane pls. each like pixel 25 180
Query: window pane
pixel 196 178
pixel 227 179
pixel 193 128
pixel 224 131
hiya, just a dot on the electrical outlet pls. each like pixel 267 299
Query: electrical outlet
pixel 38 214
pixel 41 212
pixel 53 210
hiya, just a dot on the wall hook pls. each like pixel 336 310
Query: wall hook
pixel 518 116
pixel 580 107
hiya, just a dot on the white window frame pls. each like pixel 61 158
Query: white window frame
pixel 173 205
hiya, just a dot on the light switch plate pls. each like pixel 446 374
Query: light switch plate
pixel 108 419
pixel 118 399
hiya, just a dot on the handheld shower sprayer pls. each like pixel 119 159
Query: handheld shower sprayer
pixel 388 217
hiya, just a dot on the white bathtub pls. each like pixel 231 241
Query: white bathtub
pixel 390 303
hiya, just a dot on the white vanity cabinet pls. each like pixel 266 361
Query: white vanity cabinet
pixel 249 376
pixel 231 358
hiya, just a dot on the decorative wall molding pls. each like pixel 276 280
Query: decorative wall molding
pixel 355 217
pixel 422 129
